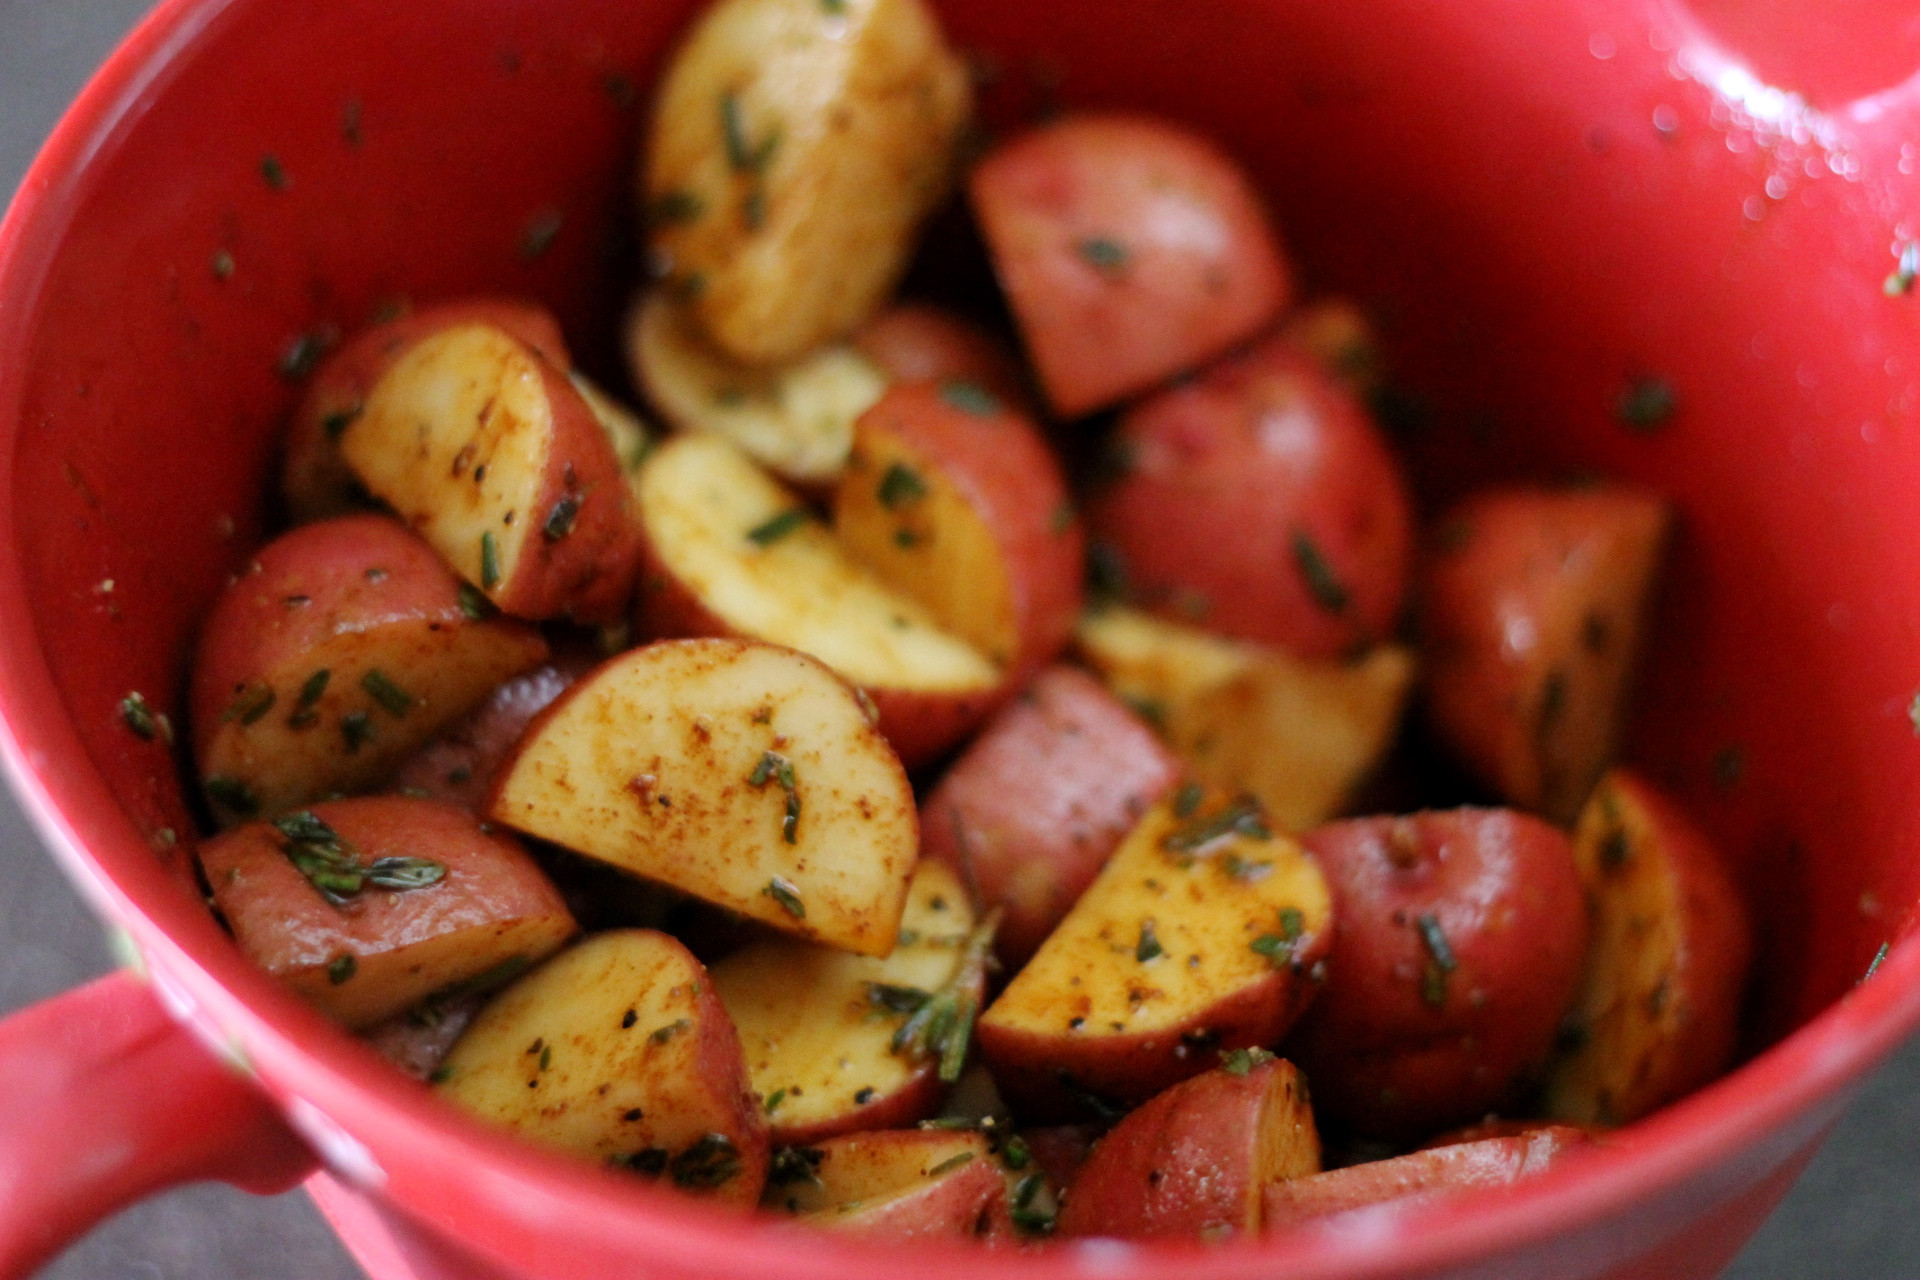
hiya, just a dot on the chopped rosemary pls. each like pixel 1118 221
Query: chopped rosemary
pixel 1148 948
pixel 743 156
pixel 794 1164
pixel 1015 1153
pixel 671 208
pixel 336 423
pixel 896 999
pixel 1279 948
pixel 777 767
pixel 1433 979
pixel 660 1035
pixel 138 716
pixel 950 1164
pixel 342 968
pixel 774 1100
pixel 710 1162
pixel 900 486
pixel 1239 1062
pixel 1901 281
pixel 473 604
pixel 379 686
pixel 232 795
pixel 942 1025
pixel 782 891
pixel 776 527
pixel 1027 1217
pixel 356 730
pixel 969 397
pixel 1103 254
pixel 1646 403
pixel 1878 957
pixel 560 520
pixel 649 1162
pixel 405 873
pixel 1241 817
pixel 1187 799
pixel 253 703
pixel 489 561
pixel 274 173
pixel 1322 583
pixel 328 862
pixel 301 355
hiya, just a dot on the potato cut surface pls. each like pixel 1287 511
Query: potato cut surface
pixel 1299 734
pixel 708 508
pixel 617 1050
pixel 741 773
pixel 817 1025
pixel 899 1183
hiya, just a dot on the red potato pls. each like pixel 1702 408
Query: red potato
pixel 338 650
pixel 1421 1176
pixel 915 342
pixel 1204 931
pixel 954 499
pixel 1129 249
pixel 1033 807
pixel 1261 502
pixel 1532 608
pixel 732 552
pixel 617 1049
pixel 1194 1161
pixel 315 481
pixel 901 1184
pixel 365 907
pixel 1461 939
pixel 1658 1011
pixel 492 454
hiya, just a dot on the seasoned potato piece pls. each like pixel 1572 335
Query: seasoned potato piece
pixel 626 431
pixel 1194 1161
pixel 730 551
pixel 1205 931
pixel 741 773
pixel 915 342
pixel 901 1184
pixel 795 418
pixel 491 454
pixel 1298 734
pixel 1659 1004
pixel 795 147
pixel 366 906
pixel 338 649
pixel 618 1050
pixel 830 1037
pixel 1531 614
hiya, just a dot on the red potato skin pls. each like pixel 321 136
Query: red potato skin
pixel 953 1205
pixel 315 481
pixel 915 342
pixel 1002 466
pixel 1504 892
pixel 1420 1176
pixel 1190 266
pixel 1030 811
pixel 1236 482
pixel 1184 1165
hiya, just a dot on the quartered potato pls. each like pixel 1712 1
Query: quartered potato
pixel 1204 932
pixel 618 1050
pixel 795 418
pixel 1299 734
pixel 838 1042
pixel 900 1184
pixel 795 148
pixel 744 774
pixel 1658 1008
pixel 731 551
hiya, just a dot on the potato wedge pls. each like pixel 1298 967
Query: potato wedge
pixel 795 147
pixel 1531 614
pixel 741 773
pixel 1195 1161
pixel 491 454
pixel 364 907
pixel 1300 735
pixel 900 1184
pixel 730 551
pixel 337 651
pixel 1205 931
pixel 1658 1008
pixel 795 418
pixel 953 498
pixel 1030 811
pixel 618 1050
pixel 818 1026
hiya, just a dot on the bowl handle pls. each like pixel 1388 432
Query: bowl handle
pixel 105 1099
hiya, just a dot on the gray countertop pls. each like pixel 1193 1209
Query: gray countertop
pixel 1853 1216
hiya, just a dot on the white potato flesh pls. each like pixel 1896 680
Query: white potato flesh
pixel 744 774
pixel 626 431
pixel 700 498
pixel 795 147
pixel 795 417
pixel 1298 734
pixel 818 1042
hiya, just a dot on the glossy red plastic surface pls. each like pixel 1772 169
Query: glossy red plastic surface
pixel 1556 209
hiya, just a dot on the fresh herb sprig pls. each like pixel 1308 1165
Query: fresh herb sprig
pixel 332 866
pixel 941 1026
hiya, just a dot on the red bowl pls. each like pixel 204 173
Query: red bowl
pixel 1551 206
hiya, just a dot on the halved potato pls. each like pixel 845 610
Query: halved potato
pixel 618 1050
pixel 1194 1162
pixel 364 907
pixel 1657 1014
pixel 1299 734
pixel 795 418
pixel 795 147
pixel 1205 931
pixel 899 1183
pixel 730 551
pixel 338 650
pixel 826 1033
pixel 744 774
pixel 495 458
